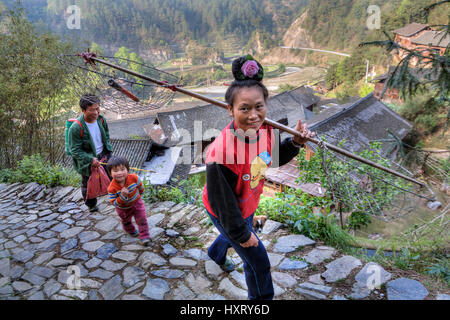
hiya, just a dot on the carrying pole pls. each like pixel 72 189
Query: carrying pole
pixel 91 58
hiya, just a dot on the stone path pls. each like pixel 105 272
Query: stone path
pixel 52 248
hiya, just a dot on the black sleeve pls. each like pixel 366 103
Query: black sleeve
pixel 282 152
pixel 287 151
pixel 220 184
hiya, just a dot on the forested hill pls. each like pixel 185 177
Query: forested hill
pixel 143 24
pixel 342 24
pixel 149 24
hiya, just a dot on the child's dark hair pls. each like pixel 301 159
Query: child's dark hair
pixel 243 80
pixel 117 161
pixel 88 100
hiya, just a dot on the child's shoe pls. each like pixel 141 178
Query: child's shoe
pixel 134 234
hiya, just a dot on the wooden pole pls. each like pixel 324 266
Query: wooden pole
pixel 266 121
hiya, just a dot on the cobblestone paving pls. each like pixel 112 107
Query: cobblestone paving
pixel 51 247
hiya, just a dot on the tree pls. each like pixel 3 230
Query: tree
pixel 97 49
pixel 434 68
pixel 331 80
pixel 122 53
pixel 34 91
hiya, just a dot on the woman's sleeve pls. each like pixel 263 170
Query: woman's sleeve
pixel 287 151
pixel 284 151
pixel 220 185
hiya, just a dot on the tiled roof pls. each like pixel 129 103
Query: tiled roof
pixel 136 151
pixel 420 73
pixel 194 124
pixel 433 38
pixel 211 119
pixel 305 96
pixel 365 120
pixel 358 123
pixel 411 29
pixel 130 128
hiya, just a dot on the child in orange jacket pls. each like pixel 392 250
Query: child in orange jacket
pixel 125 192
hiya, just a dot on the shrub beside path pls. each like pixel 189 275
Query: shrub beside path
pixel 51 247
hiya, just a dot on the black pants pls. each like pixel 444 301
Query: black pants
pixel 84 180
pixel 256 261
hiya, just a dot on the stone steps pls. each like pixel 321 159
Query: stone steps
pixel 45 242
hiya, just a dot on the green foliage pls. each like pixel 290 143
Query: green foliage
pixel 440 268
pixel 143 24
pixel 296 209
pixel 350 70
pixel 423 110
pixel 220 74
pixel 35 93
pixel 338 179
pixel 365 90
pixel 97 49
pixel 445 164
pixel 358 219
pixel 193 189
pixel 331 79
pixel 405 259
pixel 34 169
pixel 188 191
pixel 130 60
pixel 427 121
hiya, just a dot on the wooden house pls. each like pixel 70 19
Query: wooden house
pixel 422 38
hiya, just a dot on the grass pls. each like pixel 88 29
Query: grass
pixel 422 256
pixel 35 169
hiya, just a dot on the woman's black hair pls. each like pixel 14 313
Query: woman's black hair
pixel 242 81
pixel 88 100
pixel 117 161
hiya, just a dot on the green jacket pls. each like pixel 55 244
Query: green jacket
pixel 83 148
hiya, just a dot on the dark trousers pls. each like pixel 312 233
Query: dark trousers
pixel 256 261
pixel 84 180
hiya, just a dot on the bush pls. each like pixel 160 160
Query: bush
pixel 338 178
pixel 296 209
pixel 220 74
pixel 427 122
pixel 358 219
pixel 365 90
pixel 188 191
pixel 440 269
pixel 34 169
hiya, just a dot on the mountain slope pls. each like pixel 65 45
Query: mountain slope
pixel 144 24
pixel 342 24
